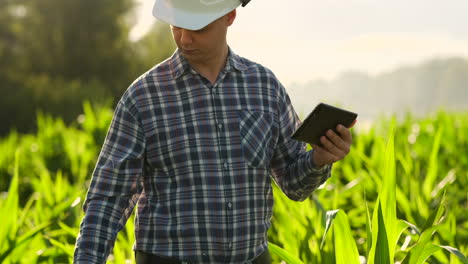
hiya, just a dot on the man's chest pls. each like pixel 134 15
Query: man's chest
pixel 199 125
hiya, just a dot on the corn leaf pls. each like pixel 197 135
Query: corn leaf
pixel 283 254
pixel 329 221
pixel 457 253
pixel 346 251
pixel 368 228
pixel 388 203
pixel 382 248
pixel 428 184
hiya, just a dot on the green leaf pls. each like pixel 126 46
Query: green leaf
pixel 382 253
pixel 384 221
pixel 428 230
pixel 283 254
pixel 457 253
pixel 72 231
pixel 431 176
pixel 419 249
pixel 24 239
pixel 402 225
pixel 66 248
pixel 329 220
pixel 436 214
pixel 427 251
pixel 368 228
pixel 387 198
pixel 9 211
pixel 346 251
pixel 345 245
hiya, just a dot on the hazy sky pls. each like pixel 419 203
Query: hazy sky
pixel 301 40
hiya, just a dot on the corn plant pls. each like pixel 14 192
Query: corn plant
pixel 399 197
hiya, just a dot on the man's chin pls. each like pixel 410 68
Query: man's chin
pixel 190 52
pixel 193 57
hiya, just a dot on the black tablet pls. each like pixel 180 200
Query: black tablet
pixel 320 120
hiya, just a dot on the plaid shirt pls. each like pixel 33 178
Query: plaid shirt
pixel 197 159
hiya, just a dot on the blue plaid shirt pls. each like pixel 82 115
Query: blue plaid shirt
pixel 198 159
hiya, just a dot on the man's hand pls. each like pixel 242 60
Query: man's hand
pixel 334 146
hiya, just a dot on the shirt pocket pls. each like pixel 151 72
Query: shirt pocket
pixel 258 131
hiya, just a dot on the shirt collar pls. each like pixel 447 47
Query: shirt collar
pixel 179 65
pixel 234 62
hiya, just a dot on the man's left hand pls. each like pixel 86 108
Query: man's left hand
pixel 335 146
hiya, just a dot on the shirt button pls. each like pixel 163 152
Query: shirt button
pixel 230 205
pixel 226 165
pixel 230 245
pixel 220 126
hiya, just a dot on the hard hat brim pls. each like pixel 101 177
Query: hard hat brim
pixel 191 19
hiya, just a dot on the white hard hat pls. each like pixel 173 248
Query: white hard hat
pixel 193 14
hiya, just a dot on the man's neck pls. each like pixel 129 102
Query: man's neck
pixel 211 67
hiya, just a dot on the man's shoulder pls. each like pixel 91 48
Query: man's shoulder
pixel 157 75
pixel 258 72
pixel 253 66
pixel 159 72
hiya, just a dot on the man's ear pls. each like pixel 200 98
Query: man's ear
pixel 231 16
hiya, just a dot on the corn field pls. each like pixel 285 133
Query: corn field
pixel 400 196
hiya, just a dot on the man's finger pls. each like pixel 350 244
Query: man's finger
pixel 345 134
pixel 331 148
pixel 337 140
pixel 322 155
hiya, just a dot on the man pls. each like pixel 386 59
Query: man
pixel 195 142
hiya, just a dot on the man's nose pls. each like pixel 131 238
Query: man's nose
pixel 186 37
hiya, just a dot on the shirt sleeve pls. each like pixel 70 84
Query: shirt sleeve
pixel 291 166
pixel 115 186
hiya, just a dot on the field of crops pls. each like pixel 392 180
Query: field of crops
pixel 400 196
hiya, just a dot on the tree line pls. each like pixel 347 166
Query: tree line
pixel 54 54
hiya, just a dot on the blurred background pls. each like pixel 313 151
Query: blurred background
pixel 373 57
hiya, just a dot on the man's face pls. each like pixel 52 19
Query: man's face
pixel 201 45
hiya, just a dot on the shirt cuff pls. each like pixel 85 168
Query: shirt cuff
pixel 83 258
pixel 312 168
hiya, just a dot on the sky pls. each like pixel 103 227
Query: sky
pixel 304 40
